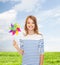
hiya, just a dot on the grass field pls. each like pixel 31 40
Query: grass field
pixel 13 58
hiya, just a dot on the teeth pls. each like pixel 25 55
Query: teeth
pixel 30 26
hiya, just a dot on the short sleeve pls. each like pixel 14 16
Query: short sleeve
pixel 41 46
pixel 21 43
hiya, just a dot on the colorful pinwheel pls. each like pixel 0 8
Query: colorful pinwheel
pixel 15 29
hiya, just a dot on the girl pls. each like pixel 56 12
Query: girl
pixel 31 44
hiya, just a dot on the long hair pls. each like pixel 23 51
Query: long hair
pixel 35 22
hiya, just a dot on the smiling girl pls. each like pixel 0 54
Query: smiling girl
pixel 31 44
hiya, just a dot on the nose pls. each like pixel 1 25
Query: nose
pixel 30 24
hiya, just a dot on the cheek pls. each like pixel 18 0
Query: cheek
pixel 27 25
pixel 33 25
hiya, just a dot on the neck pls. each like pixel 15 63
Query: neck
pixel 31 32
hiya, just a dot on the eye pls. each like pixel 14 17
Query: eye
pixel 33 23
pixel 28 22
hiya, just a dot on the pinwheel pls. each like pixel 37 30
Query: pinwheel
pixel 14 29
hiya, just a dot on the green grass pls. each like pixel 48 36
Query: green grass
pixel 13 58
pixel 10 58
pixel 52 58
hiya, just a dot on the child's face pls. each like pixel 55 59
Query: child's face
pixel 30 24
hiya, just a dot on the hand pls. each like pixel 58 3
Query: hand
pixel 21 51
pixel 15 44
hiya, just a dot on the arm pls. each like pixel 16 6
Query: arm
pixel 41 59
pixel 41 50
pixel 20 51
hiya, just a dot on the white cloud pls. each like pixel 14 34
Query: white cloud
pixel 28 5
pixel 58 21
pixel 6 37
pixel 52 43
pixel 9 0
pixel 7 16
pixel 1 31
pixel 49 14
pixel 5 19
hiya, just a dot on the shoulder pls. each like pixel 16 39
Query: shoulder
pixel 33 37
pixel 39 36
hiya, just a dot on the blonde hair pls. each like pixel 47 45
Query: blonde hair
pixel 35 22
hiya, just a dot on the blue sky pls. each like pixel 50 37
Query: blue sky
pixel 47 13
